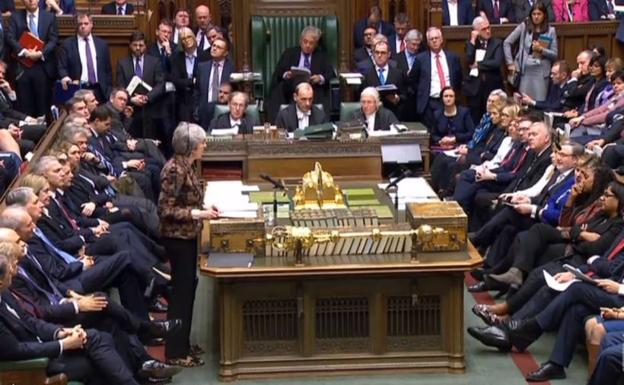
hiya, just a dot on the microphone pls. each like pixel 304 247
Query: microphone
pixel 276 184
pixel 407 172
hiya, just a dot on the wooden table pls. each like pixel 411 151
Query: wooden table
pixel 247 158
pixel 338 315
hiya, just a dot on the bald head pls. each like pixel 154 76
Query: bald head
pixel 8 235
pixel 202 18
pixel 17 218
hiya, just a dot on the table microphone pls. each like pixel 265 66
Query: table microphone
pixel 404 174
pixel 276 184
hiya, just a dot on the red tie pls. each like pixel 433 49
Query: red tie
pixel 496 10
pixel 402 47
pixel 616 250
pixel 69 219
pixel 440 72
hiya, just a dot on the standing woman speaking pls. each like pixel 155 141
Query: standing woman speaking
pixel 181 213
pixel 537 50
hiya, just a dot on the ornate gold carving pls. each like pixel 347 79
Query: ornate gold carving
pixel 318 191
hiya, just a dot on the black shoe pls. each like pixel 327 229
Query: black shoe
pixel 157 369
pixel 523 333
pixel 546 372
pixel 493 336
pixel 478 287
pixel 478 273
pixel 158 307
pixel 491 319
pixel 163 328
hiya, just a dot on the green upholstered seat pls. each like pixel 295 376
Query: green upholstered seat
pixel 35 363
pixel 251 111
pixel 347 109
pixel 271 35
pixel 319 106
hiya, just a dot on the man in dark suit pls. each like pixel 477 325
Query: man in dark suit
pixel 555 99
pixel 384 74
pixel 118 7
pixel 401 26
pixel 236 117
pixel 147 104
pixel 405 61
pixel 374 18
pixel 302 113
pixel 91 69
pixel 373 114
pixel 496 11
pixel 203 21
pixel 363 56
pixel 602 10
pixel 580 82
pixel 209 77
pixel 522 9
pixel 457 12
pixel 436 68
pixel 184 73
pixel 309 56
pixel 34 83
pixel 80 354
pixel 485 73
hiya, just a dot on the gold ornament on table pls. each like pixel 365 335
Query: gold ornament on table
pixel 318 191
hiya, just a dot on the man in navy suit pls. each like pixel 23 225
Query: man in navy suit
pixel 522 9
pixel 385 74
pixel 436 69
pixel 118 7
pixel 147 104
pixel 457 12
pixel 602 10
pixel 374 19
pixel 92 69
pixel 401 26
pixel 34 83
pixel 306 55
pixel 405 61
pixel 496 11
pixel 210 75
pixel 80 354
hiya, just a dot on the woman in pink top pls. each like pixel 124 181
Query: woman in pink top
pixel 569 11
pixel 598 115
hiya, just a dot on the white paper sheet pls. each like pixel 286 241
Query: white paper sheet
pixel 557 286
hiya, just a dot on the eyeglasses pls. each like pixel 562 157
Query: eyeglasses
pixel 380 52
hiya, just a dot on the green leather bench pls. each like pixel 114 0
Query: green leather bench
pixel 271 35
pixel 30 372
pixel 347 109
pixel 251 111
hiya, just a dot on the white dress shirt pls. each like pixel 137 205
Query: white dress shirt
pixel 212 73
pixel 370 122
pixel 397 43
pixel 436 87
pixel 84 77
pixel 453 8
pixel 303 118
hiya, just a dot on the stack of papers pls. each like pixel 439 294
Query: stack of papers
pixel 353 78
pixel 412 190
pixel 229 198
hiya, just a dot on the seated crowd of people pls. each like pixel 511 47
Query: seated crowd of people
pixel 542 164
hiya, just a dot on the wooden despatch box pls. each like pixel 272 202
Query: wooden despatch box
pixel 446 215
pixel 234 236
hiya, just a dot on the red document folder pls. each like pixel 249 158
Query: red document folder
pixel 29 41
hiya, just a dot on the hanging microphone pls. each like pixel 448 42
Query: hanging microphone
pixel 404 174
pixel 276 184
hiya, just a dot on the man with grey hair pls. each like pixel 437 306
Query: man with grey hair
pixel 484 55
pixel 405 61
pixel 372 112
pixel 237 116
pixel 308 56
pixel 437 68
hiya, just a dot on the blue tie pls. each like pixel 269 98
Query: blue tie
pixel 382 78
pixel 107 164
pixel 306 60
pixel 52 298
pixel 68 258
pixel 32 26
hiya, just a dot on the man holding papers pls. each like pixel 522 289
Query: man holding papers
pixel 306 56
pixel 236 119
pixel 388 79
pixel 484 54
pixel 33 82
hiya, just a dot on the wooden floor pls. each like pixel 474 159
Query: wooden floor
pixel 483 366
